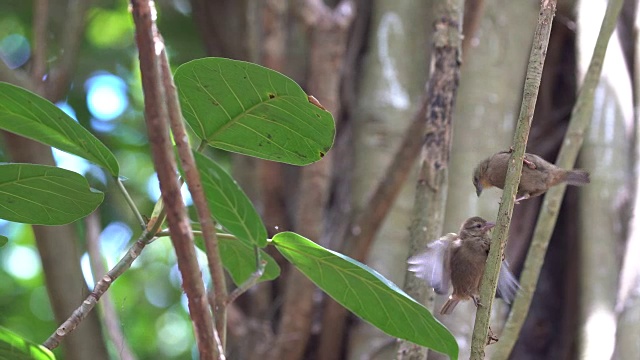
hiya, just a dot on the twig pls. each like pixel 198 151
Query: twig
pixel 514 171
pixel 130 202
pixel 156 113
pixel 111 319
pixel 252 280
pixel 101 287
pixel 192 177
pixel 582 113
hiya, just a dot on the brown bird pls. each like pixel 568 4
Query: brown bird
pixel 538 175
pixel 459 260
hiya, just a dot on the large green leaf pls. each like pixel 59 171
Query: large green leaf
pixel 44 195
pixel 240 261
pixel 366 293
pixel 14 347
pixel 27 114
pixel 229 204
pixel 249 109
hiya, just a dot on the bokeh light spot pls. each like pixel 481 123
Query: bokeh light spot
pixel 15 50
pixel 106 96
pixel 22 262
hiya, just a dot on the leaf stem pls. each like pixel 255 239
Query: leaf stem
pixel 130 202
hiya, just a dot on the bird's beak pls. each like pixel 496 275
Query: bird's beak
pixel 489 225
pixel 478 189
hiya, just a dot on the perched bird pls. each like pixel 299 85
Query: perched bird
pixel 538 175
pixel 459 260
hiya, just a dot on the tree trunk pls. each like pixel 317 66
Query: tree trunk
pixel 391 84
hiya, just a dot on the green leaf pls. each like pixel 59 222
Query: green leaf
pixel 3 240
pixel 240 261
pixel 366 293
pixel 229 204
pixel 44 195
pixel 27 114
pixel 15 347
pixel 249 109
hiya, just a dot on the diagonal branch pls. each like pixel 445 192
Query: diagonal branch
pixel 156 114
pixel 192 177
pixel 514 170
pixel 580 118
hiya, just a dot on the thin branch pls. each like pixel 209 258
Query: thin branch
pixel 156 113
pixel 514 170
pixel 130 202
pixel 252 280
pixel 101 287
pixel 147 236
pixel 110 315
pixel 580 118
pixel 192 177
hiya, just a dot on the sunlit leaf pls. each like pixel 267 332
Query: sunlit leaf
pixel 229 204
pixel 366 293
pixel 249 109
pixel 27 114
pixel 15 347
pixel 239 259
pixel 44 195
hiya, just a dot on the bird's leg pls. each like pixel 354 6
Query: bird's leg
pixel 525 196
pixel 476 301
pixel 491 337
pixel 529 163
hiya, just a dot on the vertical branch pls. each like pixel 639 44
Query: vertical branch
pixel 431 189
pixel 328 32
pixel 58 80
pixel 580 118
pixel 150 47
pixel 40 24
pixel 192 177
pixel 514 170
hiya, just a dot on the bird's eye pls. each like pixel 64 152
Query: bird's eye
pixel 478 226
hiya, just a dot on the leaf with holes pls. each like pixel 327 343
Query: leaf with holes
pixel 366 293
pixel 228 203
pixel 25 113
pixel 15 347
pixel 249 109
pixel 239 259
pixel 44 195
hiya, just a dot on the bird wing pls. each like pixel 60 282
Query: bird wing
pixel 507 283
pixel 432 265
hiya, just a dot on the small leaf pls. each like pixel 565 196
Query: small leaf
pixel 249 109
pixel 15 347
pixel 25 113
pixel 229 204
pixel 239 259
pixel 366 293
pixel 44 195
pixel 3 240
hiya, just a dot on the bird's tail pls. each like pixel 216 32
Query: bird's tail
pixel 577 177
pixel 448 307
